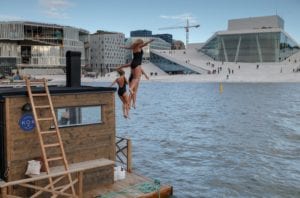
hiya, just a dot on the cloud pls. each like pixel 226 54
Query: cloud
pixel 181 17
pixel 56 8
pixel 10 18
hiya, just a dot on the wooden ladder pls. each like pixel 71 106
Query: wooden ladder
pixel 49 137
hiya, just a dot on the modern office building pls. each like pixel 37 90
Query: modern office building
pixel 147 33
pixel 254 39
pixel 106 53
pixel 34 45
pixel 166 37
pixel 141 33
pixel 169 66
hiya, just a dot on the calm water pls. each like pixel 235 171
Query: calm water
pixel 244 142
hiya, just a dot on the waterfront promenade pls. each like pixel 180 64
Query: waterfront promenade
pixel 244 74
pixel 285 71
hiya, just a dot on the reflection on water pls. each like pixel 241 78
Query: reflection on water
pixel 244 142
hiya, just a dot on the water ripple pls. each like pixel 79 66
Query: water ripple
pixel 244 142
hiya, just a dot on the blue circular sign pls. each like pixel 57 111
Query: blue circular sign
pixel 26 122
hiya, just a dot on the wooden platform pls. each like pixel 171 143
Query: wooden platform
pixel 129 188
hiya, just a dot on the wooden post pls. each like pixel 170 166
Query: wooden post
pixel 80 184
pixel 4 192
pixel 129 156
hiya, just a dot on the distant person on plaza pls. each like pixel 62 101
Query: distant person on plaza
pixel 136 63
pixel 122 81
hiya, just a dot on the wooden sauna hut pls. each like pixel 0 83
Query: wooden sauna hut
pixel 86 119
pixel 89 133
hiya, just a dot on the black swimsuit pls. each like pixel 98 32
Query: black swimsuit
pixel 137 59
pixel 122 90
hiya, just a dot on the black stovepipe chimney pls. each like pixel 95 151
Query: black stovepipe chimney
pixel 73 69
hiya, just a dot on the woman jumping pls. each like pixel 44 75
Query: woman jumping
pixel 122 81
pixel 136 64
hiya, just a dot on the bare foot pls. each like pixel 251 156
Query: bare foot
pixel 133 105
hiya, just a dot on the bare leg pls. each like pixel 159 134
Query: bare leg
pixel 130 95
pixel 127 105
pixel 134 83
pixel 124 111
pixel 124 106
pixel 134 96
pixel 133 100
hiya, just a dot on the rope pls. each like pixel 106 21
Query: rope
pixel 146 187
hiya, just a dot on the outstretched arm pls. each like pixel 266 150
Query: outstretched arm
pixel 123 66
pixel 146 43
pixel 113 83
pixel 125 47
pixel 126 81
pixel 146 76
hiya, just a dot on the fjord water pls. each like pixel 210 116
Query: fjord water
pixel 244 142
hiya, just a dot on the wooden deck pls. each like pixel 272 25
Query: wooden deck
pixel 130 188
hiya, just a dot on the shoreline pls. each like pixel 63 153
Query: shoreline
pixel 280 78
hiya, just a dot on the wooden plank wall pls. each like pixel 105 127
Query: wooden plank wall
pixel 81 142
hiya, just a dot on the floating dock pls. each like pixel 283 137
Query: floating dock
pixel 133 186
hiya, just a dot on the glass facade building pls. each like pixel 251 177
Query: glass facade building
pixel 141 33
pixel 147 33
pixel 168 66
pixel 267 44
pixel 166 37
pixel 33 45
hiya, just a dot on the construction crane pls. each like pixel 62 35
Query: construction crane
pixel 186 27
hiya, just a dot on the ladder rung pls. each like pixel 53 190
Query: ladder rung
pixel 51 145
pixel 54 159
pixel 47 132
pixel 39 94
pixel 42 107
pixel 59 187
pixel 45 119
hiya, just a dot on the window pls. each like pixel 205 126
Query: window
pixel 76 116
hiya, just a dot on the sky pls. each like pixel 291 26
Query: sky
pixel 128 15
